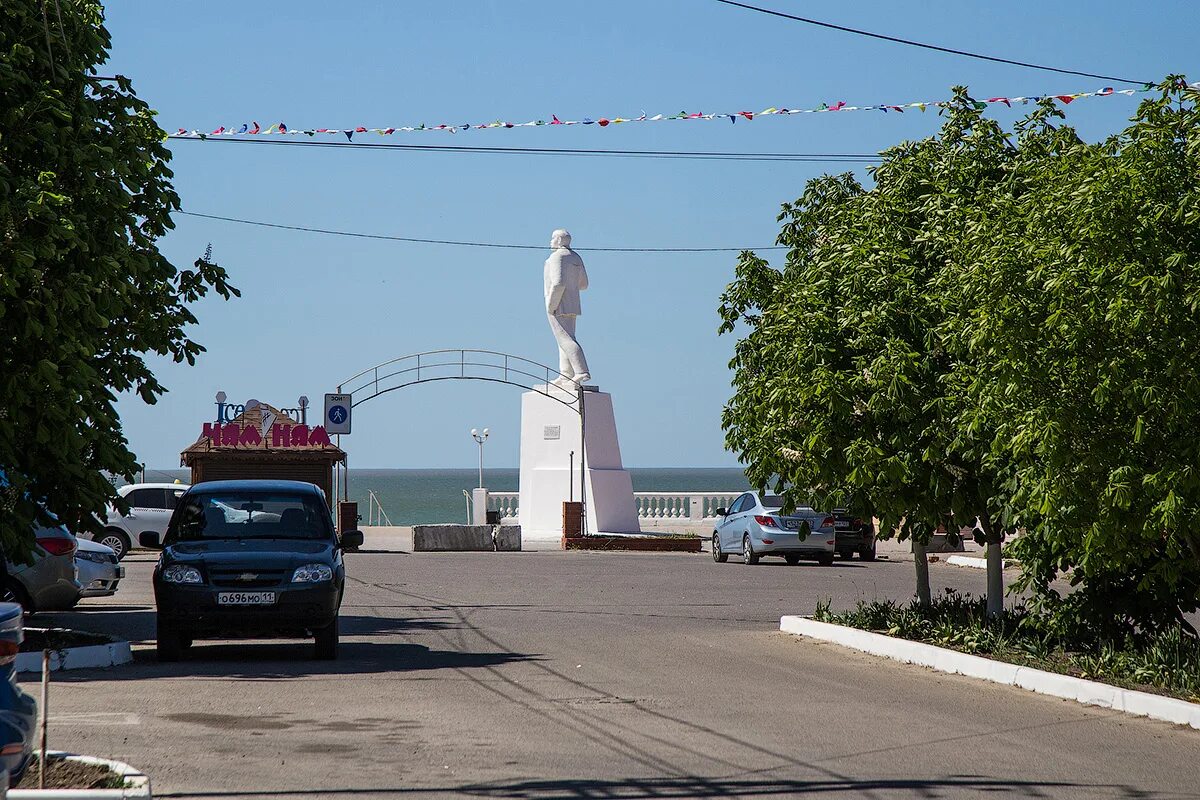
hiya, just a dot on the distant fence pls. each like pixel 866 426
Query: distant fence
pixel 654 508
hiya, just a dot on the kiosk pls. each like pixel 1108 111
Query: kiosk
pixel 262 441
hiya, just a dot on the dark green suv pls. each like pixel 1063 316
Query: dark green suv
pixel 249 558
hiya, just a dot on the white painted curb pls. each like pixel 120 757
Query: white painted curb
pixel 1142 704
pixel 976 563
pixel 137 784
pixel 89 656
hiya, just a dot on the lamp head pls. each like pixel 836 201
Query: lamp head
pixel 474 432
pixel 485 433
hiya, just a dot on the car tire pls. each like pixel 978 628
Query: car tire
pixel 20 595
pixel 845 553
pixel 326 641
pixel 825 559
pixel 718 556
pixel 748 554
pixel 117 540
pixel 168 643
pixel 792 559
pixel 868 552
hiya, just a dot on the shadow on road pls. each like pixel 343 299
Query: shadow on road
pixel 260 660
pixel 947 787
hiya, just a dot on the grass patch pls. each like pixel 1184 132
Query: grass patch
pixel 1166 662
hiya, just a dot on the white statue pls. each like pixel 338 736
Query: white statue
pixel 565 279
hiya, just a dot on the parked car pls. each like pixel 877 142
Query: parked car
pixel 249 558
pixel 150 509
pixel 754 526
pixel 854 535
pixel 99 571
pixel 18 711
pixel 50 583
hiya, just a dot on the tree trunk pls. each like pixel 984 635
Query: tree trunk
pixel 995 571
pixel 924 597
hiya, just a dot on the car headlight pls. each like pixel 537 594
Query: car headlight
pixel 312 573
pixel 178 573
pixel 88 555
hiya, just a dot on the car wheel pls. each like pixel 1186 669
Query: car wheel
pixel 115 539
pixel 868 552
pixel 169 643
pixel 825 559
pixel 845 553
pixel 748 554
pixel 17 593
pixel 718 556
pixel 792 558
pixel 327 641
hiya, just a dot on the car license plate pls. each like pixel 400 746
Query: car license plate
pixel 245 598
pixel 791 524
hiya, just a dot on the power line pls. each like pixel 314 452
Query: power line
pixel 411 239
pixel 702 155
pixel 911 43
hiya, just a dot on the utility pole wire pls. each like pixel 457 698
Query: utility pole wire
pixel 912 43
pixel 386 237
pixel 702 155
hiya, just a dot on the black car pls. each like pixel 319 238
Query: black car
pixel 853 535
pixel 249 558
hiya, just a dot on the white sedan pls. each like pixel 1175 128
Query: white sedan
pixel 755 526
pixel 99 570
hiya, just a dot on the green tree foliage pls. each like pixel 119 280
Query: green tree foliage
pixel 1002 327
pixel 85 294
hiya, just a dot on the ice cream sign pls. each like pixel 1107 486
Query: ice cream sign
pixel 233 429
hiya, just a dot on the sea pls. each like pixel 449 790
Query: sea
pixel 424 496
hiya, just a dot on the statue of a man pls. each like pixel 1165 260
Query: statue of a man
pixel 565 278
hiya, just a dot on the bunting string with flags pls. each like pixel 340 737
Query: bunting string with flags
pixel 840 106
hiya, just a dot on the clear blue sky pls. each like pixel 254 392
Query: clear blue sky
pixel 316 309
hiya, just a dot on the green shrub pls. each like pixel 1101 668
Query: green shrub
pixel 1165 660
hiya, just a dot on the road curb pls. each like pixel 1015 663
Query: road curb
pixel 975 563
pixel 137 783
pixel 86 657
pixel 1129 701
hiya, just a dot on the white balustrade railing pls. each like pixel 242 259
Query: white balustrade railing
pixel 654 508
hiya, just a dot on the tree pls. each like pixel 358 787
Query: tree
pixel 1083 334
pixel 85 294
pixel 842 379
pixel 1002 327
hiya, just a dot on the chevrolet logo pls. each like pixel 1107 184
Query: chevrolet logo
pixel 247 576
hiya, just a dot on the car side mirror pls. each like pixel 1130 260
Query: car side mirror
pixel 722 511
pixel 352 540
pixel 149 539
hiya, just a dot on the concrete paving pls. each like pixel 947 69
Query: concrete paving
pixel 590 675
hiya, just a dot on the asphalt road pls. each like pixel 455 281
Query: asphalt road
pixel 583 675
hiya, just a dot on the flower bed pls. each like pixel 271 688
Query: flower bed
pixel 1166 663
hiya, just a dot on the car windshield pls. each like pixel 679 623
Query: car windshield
pixel 250 515
pixel 772 501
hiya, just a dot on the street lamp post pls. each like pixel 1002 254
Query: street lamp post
pixel 480 437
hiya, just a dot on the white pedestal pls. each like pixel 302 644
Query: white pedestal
pixel 479 502
pixel 549 432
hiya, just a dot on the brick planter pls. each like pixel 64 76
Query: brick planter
pixel 648 544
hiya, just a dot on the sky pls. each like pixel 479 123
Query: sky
pixel 317 309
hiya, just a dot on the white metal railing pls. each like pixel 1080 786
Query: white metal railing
pixel 663 508
pixel 375 513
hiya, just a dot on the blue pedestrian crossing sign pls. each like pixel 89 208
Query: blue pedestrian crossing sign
pixel 337 413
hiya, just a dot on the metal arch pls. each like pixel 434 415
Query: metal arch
pixel 513 371
pixel 465 364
